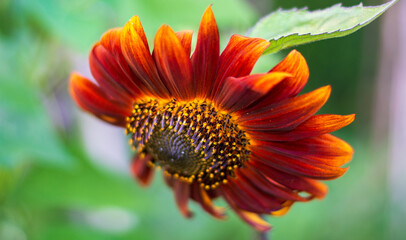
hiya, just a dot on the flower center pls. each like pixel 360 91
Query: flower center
pixel 189 140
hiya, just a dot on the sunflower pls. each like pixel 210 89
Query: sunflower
pixel 215 130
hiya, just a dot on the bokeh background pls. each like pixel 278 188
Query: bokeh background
pixel 64 174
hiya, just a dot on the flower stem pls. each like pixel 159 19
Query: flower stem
pixel 263 236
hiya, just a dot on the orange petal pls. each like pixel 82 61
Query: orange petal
pixel 287 114
pixel 238 58
pixel 238 93
pixel 185 38
pixel 254 220
pixel 296 65
pixel 92 99
pixel 282 211
pixel 135 49
pixel 174 65
pixel 206 56
pixel 182 193
pixel 314 126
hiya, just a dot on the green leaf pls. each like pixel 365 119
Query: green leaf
pixel 287 28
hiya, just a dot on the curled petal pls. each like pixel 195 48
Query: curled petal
pixel 294 64
pixel 206 56
pixel 135 49
pixel 92 99
pixel 314 126
pixel 174 64
pixel 143 173
pixel 238 93
pixel 254 220
pixel 238 58
pixel 284 210
pixel 182 193
pixel 287 114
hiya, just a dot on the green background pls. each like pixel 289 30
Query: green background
pixel 51 187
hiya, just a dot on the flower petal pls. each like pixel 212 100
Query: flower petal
pixel 182 193
pixel 185 38
pixel 109 76
pixel 249 217
pixel 314 126
pixel 296 65
pixel 287 114
pixel 257 179
pixel 302 159
pixel 314 188
pixel 206 56
pixel 140 169
pixel 238 58
pixel 200 195
pixel 135 49
pixel 94 100
pixel 112 43
pixel 246 197
pixel 173 64
pixel 324 149
pixel 238 93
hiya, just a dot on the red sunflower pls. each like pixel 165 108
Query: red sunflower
pixel 215 130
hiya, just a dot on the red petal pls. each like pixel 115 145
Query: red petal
pixel 185 38
pixel 112 43
pixel 109 76
pixel 92 99
pixel 238 58
pixel 206 56
pixel 201 196
pixel 238 93
pixel 295 164
pixel 244 196
pixel 135 49
pixel 174 65
pixel 270 202
pixel 182 193
pixel 314 188
pixel 141 170
pixel 314 126
pixel 324 149
pixel 249 217
pixel 287 114
pixel 257 179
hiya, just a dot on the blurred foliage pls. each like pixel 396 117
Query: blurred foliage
pixel 51 189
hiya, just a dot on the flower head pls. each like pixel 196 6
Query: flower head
pixel 215 130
